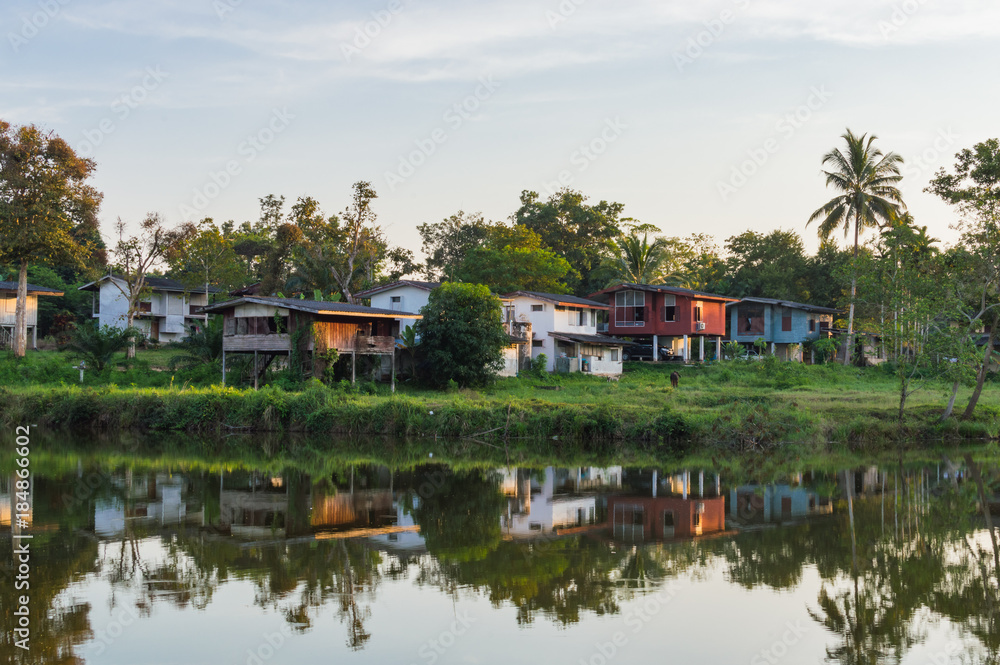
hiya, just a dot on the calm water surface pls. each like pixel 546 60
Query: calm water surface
pixel 360 564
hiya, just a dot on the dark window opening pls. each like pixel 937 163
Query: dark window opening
pixel 786 324
pixel 697 313
pixel 751 319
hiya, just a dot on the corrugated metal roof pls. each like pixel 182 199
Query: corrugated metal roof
pixel 559 298
pixel 314 306
pixel 32 288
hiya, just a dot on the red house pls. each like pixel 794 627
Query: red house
pixel 643 518
pixel 668 316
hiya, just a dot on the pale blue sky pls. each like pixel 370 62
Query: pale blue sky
pixel 670 97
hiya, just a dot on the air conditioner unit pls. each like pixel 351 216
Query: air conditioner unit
pixel 699 508
pixel 700 325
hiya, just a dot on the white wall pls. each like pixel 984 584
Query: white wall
pixel 563 320
pixel 170 307
pixel 411 299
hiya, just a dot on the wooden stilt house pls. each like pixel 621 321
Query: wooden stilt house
pixel 302 331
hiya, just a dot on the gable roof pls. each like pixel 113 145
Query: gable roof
pixel 155 283
pixel 426 286
pixel 790 304
pixel 33 289
pixel 661 288
pixel 559 299
pixel 313 307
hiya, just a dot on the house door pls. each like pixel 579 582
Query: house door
pixel 668 524
pixel 154 329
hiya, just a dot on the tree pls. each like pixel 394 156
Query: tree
pixel 867 181
pixel 462 336
pixel 96 345
pixel 694 263
pixel 359 230
pixel 46 208
pixel 771 265
pixel 974 189
pixel 135 257
pixel 201 346
pixel 580 233
pixel 448 242
pixel 205 255
pixel 513 259
pixel 636 260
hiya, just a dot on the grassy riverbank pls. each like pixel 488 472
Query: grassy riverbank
pixel 741 406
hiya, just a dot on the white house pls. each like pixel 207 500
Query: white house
pixel 403 296
pixel 410 296
pixel 557 498
pixel 163 314
pixel 8 311
pixel 565 329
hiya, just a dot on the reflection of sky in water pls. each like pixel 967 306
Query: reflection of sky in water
pixel 700 618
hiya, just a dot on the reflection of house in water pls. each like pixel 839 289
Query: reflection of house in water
pixel 261 506
pixel 147 500
pixel 776 503
pixel 554 498
pixel 666 509
pixel 406 538
pixel 5 502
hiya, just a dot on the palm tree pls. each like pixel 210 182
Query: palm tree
pixel 867 181
pixel 638 260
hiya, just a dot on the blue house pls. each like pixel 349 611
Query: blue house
pixel 780 323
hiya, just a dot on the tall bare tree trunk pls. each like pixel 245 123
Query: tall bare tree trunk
pixel 129 320
pixel 854 290
pixel 21 312
pixel 981 377
pixel 951 402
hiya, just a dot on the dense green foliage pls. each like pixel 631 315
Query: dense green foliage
pixel 97 345
pixel 783 402
pixel 462 337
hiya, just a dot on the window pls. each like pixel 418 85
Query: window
pixel 697 312
pixel 614 355
pixel 396 303
pixel 630 310
pixel 593 318
pixel 696 520
pixel 97 303
pixel 581 318
pixel 812 325
pixel 538 308
pixel 751 319
pixel 786 323
pixel 669 308
pixel 538 343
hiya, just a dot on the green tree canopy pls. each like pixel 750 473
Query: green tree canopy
pixel 462 336
pixel 580 233
pixel 48 212
pixel 514 259
pixel 771 265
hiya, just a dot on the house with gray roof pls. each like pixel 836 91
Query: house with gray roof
pixel 564 328
pixel 784 325
pixel 265 327
pixel 164 313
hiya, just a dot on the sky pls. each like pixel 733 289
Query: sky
pixel 700 117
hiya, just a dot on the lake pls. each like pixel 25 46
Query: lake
pixel 136 561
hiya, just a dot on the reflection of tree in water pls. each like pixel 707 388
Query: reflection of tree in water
pixel 60 555
pixel 894 558
pixel 459 512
